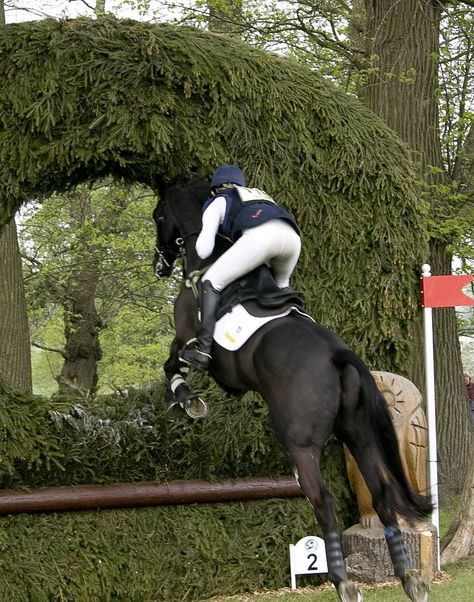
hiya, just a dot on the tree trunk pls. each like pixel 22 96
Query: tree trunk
pixel 99 10
pixel 459 541
pixel 82 323
pixel 452 417
pixel 15 355
pixel 402 81
pixel 401 87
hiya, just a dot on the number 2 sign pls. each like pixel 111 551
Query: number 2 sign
pixel 307 557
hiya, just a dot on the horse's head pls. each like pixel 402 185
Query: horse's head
pixel 177 218
pixel 167 241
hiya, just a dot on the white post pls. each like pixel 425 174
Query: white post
pixel 431 412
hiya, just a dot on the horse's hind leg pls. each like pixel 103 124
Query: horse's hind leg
pixel 414 586
pixel 367 458
pixel 308 474
pixel 359 434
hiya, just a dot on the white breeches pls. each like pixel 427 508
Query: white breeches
pixel 275 243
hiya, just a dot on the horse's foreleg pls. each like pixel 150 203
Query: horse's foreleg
pixel 309 477
pixel 177 390
pixel 178 393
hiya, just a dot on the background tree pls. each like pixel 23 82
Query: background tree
pixel 225 17
pixel 459 541
pixel 15 358
pixel 87 258
pixel 402 86
pixel 82 323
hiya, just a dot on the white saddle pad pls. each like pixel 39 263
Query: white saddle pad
pixel 237 326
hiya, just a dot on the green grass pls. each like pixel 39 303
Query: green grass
pixel 456 584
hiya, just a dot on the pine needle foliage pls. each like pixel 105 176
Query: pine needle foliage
pixel 160 554
pixel 81 99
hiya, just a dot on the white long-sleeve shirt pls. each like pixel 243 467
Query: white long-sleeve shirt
pixel 212 218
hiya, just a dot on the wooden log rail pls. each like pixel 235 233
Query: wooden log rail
pixel 134 495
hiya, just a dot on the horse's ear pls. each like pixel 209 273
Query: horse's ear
pixel 159 185
pixel 202 188
pixel 156 212
pixel 162 186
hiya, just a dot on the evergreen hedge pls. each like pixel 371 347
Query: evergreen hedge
pixel 162 554
pixel 83 99
pixel 86 98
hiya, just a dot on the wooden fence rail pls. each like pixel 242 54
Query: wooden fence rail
pixel 133 495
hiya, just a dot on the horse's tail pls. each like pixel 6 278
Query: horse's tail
pixel 372 413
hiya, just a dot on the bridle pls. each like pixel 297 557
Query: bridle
pixel 162 262
pixel 191 279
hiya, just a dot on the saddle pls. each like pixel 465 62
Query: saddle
pixel 258 286
pixel 251 302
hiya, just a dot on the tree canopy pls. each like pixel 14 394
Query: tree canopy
pixel 88 98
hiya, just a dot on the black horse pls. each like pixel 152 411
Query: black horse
pixel 315 386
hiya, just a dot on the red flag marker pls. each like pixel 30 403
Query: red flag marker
pixel 445 291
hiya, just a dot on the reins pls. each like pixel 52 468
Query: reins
pixel 191 279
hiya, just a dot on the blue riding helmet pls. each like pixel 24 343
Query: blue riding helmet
pixel 228 174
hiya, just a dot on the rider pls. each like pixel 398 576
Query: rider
pixel 261 232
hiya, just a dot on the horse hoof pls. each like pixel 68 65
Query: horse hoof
pixel 171 405
pixel 195 408
pixel 348 592
pixel 416 589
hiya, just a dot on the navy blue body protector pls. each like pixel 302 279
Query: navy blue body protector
pixel 247 208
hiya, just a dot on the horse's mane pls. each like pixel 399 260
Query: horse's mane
pixel 198 186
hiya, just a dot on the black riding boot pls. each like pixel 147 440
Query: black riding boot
pixel 200 355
